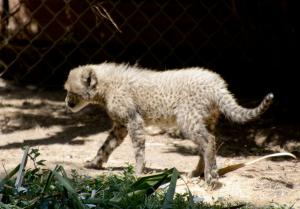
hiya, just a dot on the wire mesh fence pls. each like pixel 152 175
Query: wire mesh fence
pixel 41 40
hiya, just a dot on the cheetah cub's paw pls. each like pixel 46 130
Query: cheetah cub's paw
pixel 93 165
pixel 212 180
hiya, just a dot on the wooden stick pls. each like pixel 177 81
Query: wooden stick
pixel 21 171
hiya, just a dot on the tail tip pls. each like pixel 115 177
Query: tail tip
pixel 270 96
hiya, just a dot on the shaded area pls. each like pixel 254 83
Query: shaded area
pixel 27 110
pixel 11 90
pixel 66 136
pixel 250 140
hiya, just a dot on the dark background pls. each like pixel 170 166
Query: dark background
pixel 251 43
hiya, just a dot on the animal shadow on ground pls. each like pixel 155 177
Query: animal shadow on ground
pixel 28 110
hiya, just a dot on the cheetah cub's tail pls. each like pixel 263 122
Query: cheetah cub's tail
pixel 232 110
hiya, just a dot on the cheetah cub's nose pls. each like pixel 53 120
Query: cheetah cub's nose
pixel 71 104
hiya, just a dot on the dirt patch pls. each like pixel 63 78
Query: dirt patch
pixel 39 119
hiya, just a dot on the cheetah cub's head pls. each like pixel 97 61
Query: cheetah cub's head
pixel 81 88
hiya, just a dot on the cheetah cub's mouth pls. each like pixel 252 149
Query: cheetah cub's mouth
pixel 74 103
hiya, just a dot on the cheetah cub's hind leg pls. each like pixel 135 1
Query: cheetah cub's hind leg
pixel 207 147
pixel 114 139
pixel 210 123
pixel 193 127
pixel 199 170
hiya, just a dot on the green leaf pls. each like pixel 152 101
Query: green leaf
pixel 168 202
pixel 151 182
pixel 2 205
pixel 146 185
pixel 9 175
pixel 62 170
pixel 48 183
pixel 32 203
pixel 77 203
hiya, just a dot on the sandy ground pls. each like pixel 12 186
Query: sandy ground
pixel 39 119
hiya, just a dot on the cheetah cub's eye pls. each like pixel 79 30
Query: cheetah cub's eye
pixel 89 78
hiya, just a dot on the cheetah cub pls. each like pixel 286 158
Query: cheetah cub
pixel 190 99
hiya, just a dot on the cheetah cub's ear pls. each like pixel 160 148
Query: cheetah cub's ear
pixel 89 78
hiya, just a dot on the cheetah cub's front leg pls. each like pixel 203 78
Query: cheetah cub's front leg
pixel 137 134
pixel 114 139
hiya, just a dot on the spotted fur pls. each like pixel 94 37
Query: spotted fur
pixel 190 99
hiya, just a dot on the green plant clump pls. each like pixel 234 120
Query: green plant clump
pixel 54 189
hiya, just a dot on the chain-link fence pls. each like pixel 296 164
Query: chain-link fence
pixel 42 40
